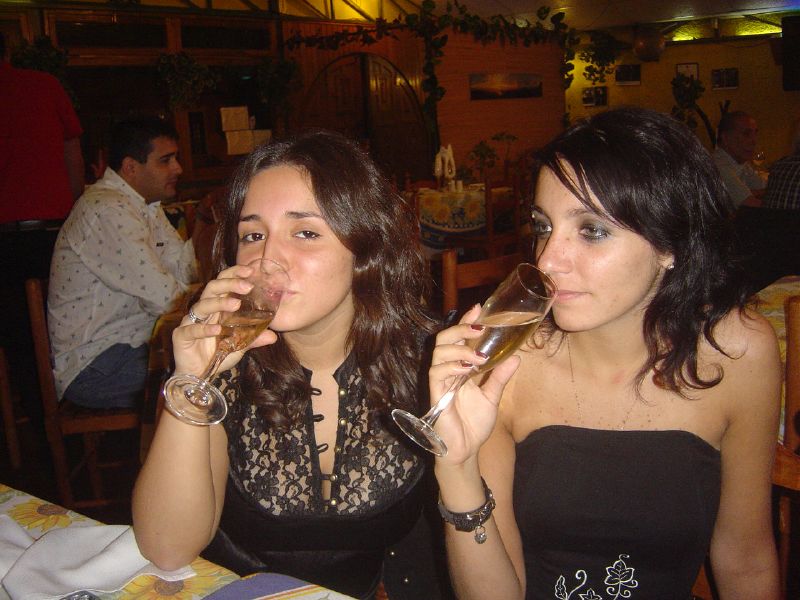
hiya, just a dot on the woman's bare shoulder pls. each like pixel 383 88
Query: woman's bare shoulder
pixel 747 336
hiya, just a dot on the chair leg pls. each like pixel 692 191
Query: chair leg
pixel 9 421
pixel 784 543
pixel 90 443
pixel 60 464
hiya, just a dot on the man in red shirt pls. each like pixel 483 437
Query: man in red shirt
pixel 41 175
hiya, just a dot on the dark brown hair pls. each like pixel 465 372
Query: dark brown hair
pixel 389 275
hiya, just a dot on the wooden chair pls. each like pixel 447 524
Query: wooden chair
pixel 786 469
pixel 469 275
pixel 9 420
pixel 63 419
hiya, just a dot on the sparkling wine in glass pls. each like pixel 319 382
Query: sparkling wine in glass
pixel 194 399
pixel 509 317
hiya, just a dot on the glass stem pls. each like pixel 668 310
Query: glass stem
pixel 216 361
pixel 445 400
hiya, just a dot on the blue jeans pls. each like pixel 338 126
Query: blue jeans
pixel 115 379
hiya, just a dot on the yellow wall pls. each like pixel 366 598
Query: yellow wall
pixel 760 90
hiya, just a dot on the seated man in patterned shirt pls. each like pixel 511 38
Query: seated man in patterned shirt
pixel 117 265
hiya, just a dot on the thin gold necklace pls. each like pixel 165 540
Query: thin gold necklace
pixel 578 400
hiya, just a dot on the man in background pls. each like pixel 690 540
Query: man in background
pixel 737 136
pixel 41 175
pixel 118 264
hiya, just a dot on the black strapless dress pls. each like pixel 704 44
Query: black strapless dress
pixel 614 514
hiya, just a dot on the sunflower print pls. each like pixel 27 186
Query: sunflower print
pixel 38 514
pixel 209 578
pixel 472 211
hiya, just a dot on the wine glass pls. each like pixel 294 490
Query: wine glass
pixel 194 399
pixel 758 159
pixel 509 317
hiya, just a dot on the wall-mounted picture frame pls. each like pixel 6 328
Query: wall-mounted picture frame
pixel 499 86
pixel 688 69
pixel 725 79
pixel 628 74
pixel 595 96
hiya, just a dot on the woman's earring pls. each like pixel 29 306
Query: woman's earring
pixel 670 267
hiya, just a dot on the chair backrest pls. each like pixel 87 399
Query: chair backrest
pixel 496 204
pixel 457 276
pixel 792 389
pixel 36 292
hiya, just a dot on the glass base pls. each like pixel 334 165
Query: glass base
pixel 420 432
pixel 194 400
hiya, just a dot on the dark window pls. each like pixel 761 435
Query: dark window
pixel 111 35
pixel 206 36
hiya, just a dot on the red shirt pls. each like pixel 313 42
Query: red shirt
pixel 36 118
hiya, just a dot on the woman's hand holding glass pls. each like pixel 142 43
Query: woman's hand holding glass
pixel 231 317
pixel 469 421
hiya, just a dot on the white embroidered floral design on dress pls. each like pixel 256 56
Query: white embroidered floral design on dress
pixel 619 579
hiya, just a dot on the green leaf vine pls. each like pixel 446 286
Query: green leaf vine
pixel 601 54
pixel 185 79
pixel 433 29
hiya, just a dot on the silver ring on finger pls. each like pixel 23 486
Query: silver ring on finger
pixel 194 318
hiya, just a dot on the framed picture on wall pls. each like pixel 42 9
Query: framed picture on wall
pixel 628 74
pixel 500 86
pixel 725 79
pixel 595 96
pixel 689 69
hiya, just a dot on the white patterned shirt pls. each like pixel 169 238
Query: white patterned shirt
pixel 740 179
pixel 117 265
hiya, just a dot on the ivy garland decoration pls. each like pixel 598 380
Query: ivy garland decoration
pixel 432 29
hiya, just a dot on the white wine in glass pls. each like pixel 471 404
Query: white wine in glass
pixel 194 399
pixel 509 317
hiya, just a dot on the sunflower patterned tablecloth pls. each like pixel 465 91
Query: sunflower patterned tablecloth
pixel 37 517
pixel 771 304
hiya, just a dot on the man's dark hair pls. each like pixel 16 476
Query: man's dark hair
pixel 134 137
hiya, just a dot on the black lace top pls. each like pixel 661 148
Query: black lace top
pixel 614 514
pixel 275 517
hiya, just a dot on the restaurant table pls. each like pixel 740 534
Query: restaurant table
pixel 444 213
pixel 770 303
pixel 37 517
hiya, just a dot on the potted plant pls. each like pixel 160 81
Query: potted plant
pixel 687 91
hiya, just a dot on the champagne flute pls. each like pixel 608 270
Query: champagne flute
pixel 509 317
pixel 196 400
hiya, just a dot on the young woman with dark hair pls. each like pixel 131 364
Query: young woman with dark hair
pixel 305 476
pixel 636 433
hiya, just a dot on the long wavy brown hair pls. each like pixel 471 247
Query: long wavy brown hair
pixel 390 278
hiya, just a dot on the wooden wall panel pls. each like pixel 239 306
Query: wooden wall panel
pixel 464 122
